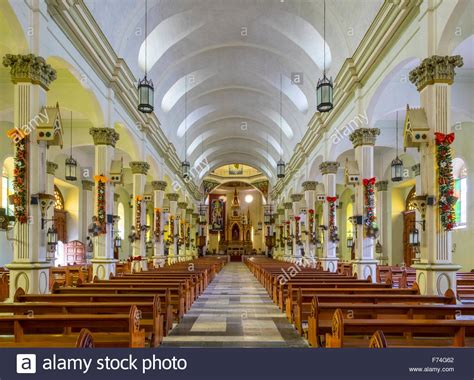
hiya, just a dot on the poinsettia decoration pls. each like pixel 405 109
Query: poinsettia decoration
pixel 447 200
pixel 101 203
pixel 371 227
pixel 138 215
pixel 333 236
pixel 157 231
pixel 20 181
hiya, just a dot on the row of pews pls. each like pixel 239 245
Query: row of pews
pixel 339 310
pixel 129 310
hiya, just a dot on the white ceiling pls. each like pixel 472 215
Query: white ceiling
pixel 234 52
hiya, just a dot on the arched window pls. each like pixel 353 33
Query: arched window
pixel 349 214
pixel 460 191
pixel 121 222
pixel 59 202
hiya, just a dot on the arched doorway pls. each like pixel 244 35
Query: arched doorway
pixel 409 217
pixel 60 215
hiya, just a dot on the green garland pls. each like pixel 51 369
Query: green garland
pixel 20 181
pixel 447 200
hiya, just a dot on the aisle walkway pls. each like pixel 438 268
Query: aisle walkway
pixel 234 311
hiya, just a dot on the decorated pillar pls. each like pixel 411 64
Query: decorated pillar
pixel 288 231
pixel 103 263
pixel 31 77
pixel 50 175
pixel 298 238
pixel 159 188
pixel 189 235
pixel 309 188
pixel 195 230
pixel 331 236
pixel 363 140
pixel 433 78
pixel 86 209
pixel 139 172
pixel 383 216
pixel 173 228
pixel 182 230
pixel 280 230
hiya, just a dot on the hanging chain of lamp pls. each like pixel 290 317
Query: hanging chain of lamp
pixel 185 166
pixel 71 164
pixel 324 89
pixel 397 164
pixel 145 85
pixel 281 163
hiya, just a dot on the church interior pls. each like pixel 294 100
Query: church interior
pixel 241 173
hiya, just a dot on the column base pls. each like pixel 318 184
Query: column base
pixel 329 263
pixel 436 279
pixel 144 264
pixel 33 278
pixel 159 261
pixel 102 268
pixel 365 268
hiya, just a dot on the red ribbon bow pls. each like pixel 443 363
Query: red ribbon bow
pixel 297 218
pixel 331 199
pixel 369 181
pixel 444 138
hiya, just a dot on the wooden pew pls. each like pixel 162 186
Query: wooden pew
pixel 345 332
pixel 56 329
pixel 166 304
pixel 465 286
pixel 322 312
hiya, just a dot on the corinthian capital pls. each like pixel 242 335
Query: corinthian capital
pixel 435 69
pixel 364 136
pixel 29 68
pixel 309 185
pixel 159 185
pixel 104 136
pixel 329 167
pixel 139 167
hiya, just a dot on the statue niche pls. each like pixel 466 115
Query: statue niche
pixel 235 233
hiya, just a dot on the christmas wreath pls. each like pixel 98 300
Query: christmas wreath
pixel 447 200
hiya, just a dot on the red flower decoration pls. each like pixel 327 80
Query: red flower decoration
pixel 442 138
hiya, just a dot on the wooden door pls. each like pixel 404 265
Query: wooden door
pixel 75 253
pixel 408 225
pixel 60 223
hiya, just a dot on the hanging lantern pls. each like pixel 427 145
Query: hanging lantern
pixel 71 169
pixel 52 238
pixel 185 168
pixel 414 237
pixel 145 95
pixel 324 94
pixel 281 169
pixel 117 242
pixel 350 242
pixel 397 169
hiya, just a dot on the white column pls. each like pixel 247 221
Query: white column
pixel 329 258
pixel 103 263
pixel 139 171
pixel 50 175
pixel 159 188
pixel 382 217
pixel 297 241
pixel 173 247
pixel 363 140
pixel 31 77
pixel 433 78
pixel 309 188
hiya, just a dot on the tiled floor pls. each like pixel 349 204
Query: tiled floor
pixel 234 311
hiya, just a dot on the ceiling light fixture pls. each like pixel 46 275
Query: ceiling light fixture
pixel 145 85
pixel 324 89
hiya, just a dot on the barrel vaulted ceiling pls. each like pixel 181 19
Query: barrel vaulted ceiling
pixel 233 52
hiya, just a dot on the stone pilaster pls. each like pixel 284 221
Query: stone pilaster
pixel 435 271
pixel 329 258
pixel 103 263
pixel 363 140
pixel 382 203
pixel 31 77
pixel 159 188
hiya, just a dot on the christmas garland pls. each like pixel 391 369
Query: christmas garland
pixel 447 200
pixel 157 231
pixel 282 239
pixel 20 181
pixel 138 215
pixel 101 203
pixel 288 233
pixel 171 231
pixel 371 228
pixel 297 229
pixel 333 236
